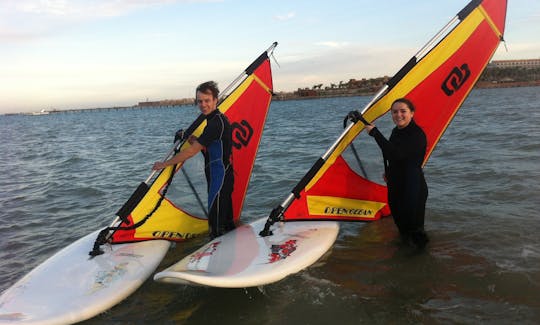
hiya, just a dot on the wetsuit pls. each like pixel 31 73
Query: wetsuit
pixel 403 155
pixel 216 138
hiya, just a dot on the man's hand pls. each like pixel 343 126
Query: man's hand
pixel 158 165
pixel 179 135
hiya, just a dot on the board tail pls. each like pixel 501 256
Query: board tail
pixel 437 80
pixel 150 214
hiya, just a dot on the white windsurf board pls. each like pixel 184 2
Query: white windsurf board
pixel 70 287
pixel 242 258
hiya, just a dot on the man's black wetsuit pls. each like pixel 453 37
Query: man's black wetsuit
pixel 216 138
pixel 407 189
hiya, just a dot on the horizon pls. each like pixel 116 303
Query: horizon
pixel 80 54
pixel 188 100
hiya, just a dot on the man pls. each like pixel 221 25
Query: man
pixel 216 144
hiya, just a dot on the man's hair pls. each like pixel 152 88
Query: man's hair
pixel 209 87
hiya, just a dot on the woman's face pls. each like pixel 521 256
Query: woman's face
pixel 401 114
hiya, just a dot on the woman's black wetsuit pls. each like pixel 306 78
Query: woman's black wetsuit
pixel 407 189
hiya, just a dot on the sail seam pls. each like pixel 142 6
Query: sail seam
pixel 263 85
pixel 490 21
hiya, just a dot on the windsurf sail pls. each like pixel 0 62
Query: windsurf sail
pixel 150 214
pixel 437 80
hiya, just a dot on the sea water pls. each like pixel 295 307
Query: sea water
pixel 64 175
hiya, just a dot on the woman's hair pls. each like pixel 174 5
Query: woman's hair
pixel 406 102
pixel 209 87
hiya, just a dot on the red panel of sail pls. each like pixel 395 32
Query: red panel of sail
pixel 340 181
pixel 247 116
pixel 440 95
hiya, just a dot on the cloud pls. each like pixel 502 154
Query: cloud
pixel 333 64
pixel 95 8
pixel 333 44
pixel 517 50
pixel 287 16
pixel 50 7
pixel 46 17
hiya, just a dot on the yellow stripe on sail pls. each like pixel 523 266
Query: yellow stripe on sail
pixel 433 60
pixel 418 73
pixel 339 206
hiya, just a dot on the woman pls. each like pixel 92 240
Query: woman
pixel 403 156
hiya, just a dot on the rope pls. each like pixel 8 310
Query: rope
pixel 104 237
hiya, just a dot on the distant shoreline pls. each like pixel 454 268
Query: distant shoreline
pixel 279 96
pixel 283 96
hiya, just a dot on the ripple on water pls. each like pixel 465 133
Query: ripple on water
pixel 67 174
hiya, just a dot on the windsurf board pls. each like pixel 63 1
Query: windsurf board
pixel 242 258
pixel 71 287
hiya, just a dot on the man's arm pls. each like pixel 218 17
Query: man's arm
pixel 180 157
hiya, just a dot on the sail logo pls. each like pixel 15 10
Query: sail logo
pixel 347 211
pixel 457 77
pixel 331 206
pixel 172 235
pixel 241 134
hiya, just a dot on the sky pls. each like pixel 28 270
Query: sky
pixel 76 54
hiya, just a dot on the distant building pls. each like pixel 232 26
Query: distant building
pixel 527 64
pixel 167 102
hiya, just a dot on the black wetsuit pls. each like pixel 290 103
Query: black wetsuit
pixel 216 138
pixel 407 189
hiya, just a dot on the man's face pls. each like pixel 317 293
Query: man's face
pixel 206 102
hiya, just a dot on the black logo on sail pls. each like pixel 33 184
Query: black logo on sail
pixel 241 134
pixel 456 79
pixel 347 211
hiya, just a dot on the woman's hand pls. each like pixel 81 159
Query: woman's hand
pixel 369 127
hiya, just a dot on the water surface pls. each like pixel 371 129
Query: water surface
pixel 65 175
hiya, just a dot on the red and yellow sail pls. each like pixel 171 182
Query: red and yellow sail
pixel 437 82
pixel 246 108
